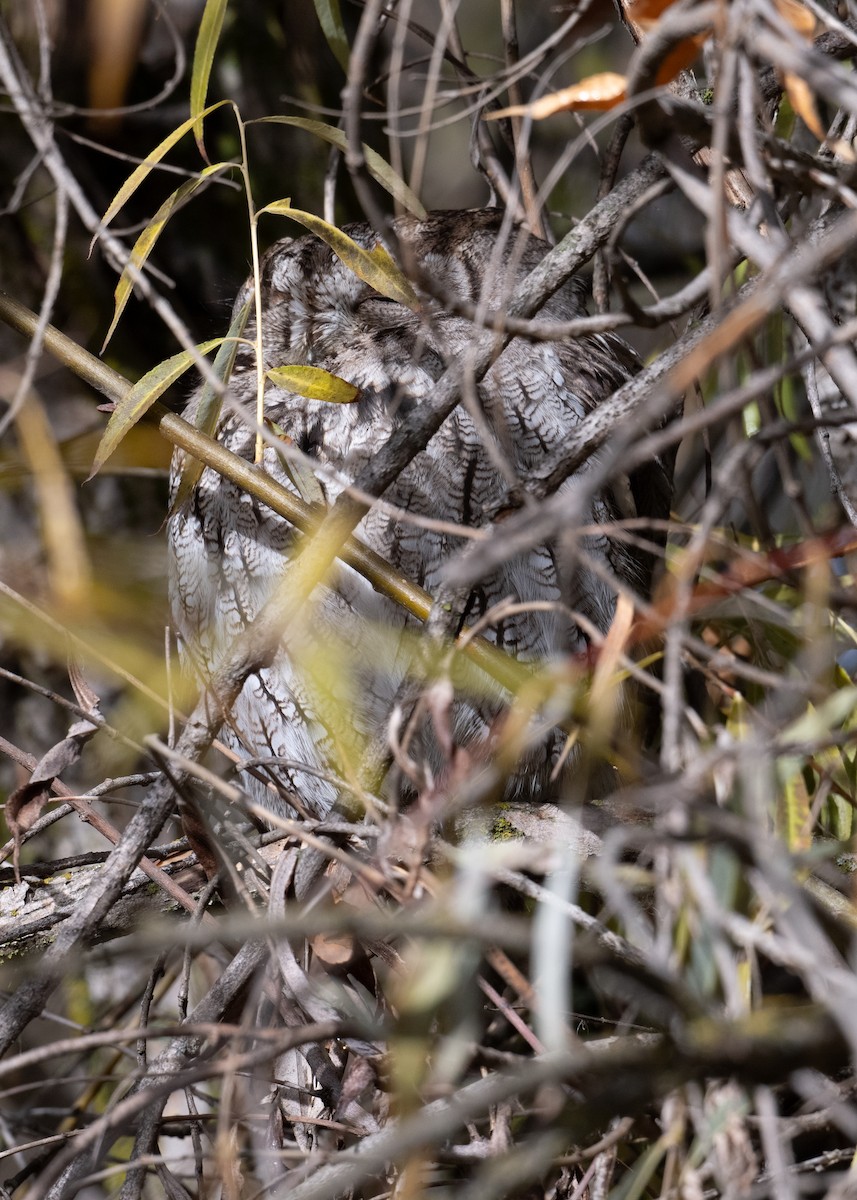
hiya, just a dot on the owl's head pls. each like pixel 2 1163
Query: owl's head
pixel 319 312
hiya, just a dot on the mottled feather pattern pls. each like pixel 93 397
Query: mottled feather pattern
pixel 228 551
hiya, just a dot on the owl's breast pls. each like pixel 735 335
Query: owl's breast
pixel 330 691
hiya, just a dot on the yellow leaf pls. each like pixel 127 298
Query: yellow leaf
pixel 139 399
pixel 737 723
pixel 794 809
pixel 211 402
pixel 314 383
pixel 145 243
pixel 305 483
pixel 378 167
pixel 137 176
pixel 203 58
pixel 608 673
pixel 374 267
pixel 69 570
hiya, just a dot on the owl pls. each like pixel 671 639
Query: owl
pixel 838 441
pixel 350 678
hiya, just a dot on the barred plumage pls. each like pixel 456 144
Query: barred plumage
pixel 228 550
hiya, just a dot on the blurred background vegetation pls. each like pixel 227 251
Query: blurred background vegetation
pixel 712 936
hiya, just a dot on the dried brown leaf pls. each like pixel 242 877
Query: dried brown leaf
pixel 25 804
pixel 802 100
pixel 641 11
pixel 798 16
pixel 605 90
pixel 335 949
pixel 680 57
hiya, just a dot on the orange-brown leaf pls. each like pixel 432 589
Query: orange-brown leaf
pixel 644 16
pixel 802 101
pixel 601 91
pixel 333 948
pixel 647 10
pixel 798 16
pixel 679 58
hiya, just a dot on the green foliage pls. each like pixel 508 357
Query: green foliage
pixel 140 398
pixel 330 20
pixel 211 401
pixel 145 243
pixel 374 266
pixel 378 168
pixel 203 59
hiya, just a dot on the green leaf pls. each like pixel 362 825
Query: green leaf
pixel 840 817
pixel 203 58
pixel 638 1179
pixel 374 267
pixel 737 723
pixel 305 483
pixel 314 383
pixel 330 20
pixel 794 807
pixel 137 176
pixel 139 399
pixel 378 167
pixel 818 721
pixel 145 243
pixel 752 418
pixel 787 402
pixel 211 402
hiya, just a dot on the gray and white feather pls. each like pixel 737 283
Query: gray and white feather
pixel 303 716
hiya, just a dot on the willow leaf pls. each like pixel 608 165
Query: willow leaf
pixel 330 20
pixel 142 172
pixel 314 383
pixel 203 59
pixel 139 399
pixel 211 402
pixel 378 167
pixel 145 243
pixel 374 267
pixel 304 482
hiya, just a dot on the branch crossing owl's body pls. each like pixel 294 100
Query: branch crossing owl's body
pixel 303 716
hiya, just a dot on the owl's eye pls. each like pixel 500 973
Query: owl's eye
pixel 381 311
pixel 376 298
